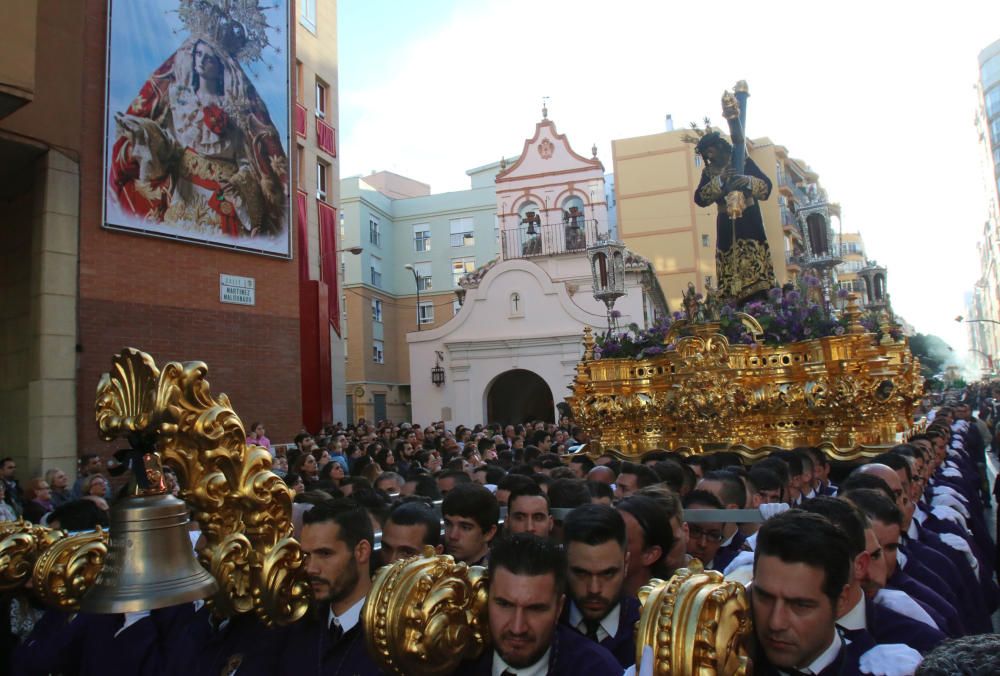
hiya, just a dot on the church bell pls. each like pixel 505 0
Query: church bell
pixel 150 562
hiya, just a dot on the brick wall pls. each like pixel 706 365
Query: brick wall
pixel 163 297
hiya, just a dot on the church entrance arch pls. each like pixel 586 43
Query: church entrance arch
pixel 518 396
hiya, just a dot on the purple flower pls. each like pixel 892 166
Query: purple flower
pixel 615 314
pixel 793 296
pixel 656 349
pixel 811 281
pixel 839 331
pixel 775 294
pixel 843 293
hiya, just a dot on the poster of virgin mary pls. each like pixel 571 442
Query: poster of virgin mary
pixel 196 140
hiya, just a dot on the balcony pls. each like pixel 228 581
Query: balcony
pixel 326 137
pixel 300 120
pixel 829 258
pixel 549 240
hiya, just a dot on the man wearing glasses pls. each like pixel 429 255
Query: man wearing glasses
pixel 704 539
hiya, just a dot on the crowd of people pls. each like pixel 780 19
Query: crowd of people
pixel 885 567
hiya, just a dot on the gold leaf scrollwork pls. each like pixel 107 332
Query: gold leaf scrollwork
pixel 425 615
pixel 696 623
pixel 66 570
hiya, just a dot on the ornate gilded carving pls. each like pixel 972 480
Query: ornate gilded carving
pixel 20 543
pixel 696 623
pixel 425 615
pixel 243 508
pixel 844 393
pixel 66 570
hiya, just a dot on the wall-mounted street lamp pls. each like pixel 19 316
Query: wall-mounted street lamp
pixel 416 282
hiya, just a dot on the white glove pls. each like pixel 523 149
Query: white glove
pixel 772 509
pixel 943 512
pixel 890 659
pixel 132 618
pixel 961 545
pixel 947 490
pixel 950 501
pixel 740 560
pixel 645 667
pixel 904 605
pixel 951 472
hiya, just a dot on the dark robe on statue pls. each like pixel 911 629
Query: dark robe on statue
pixel 743 264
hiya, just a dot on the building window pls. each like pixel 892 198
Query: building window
pixel 322 171
pixel 424 279
pixel 320 99
pixel 374 232
pixel 697 160
pixel 308 15
pixel 421 237
pixel 462 232
pixel 704 240
pixel 425 312
pixel 376 271
pixel 378 351
pixel 461 266
pixel 376 310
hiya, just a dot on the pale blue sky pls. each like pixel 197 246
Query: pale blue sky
pixel 878 97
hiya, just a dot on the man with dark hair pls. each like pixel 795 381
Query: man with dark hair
pixel 806 482
pixel 528 511
pixel 526 597
pixel 597 559
pixel 600 493
pixel 488 475
pixel 336 542
pixel 649 540
pixel 471 514
pixel 887 524
pixel 704 538
pixel 421 484
pixel 793 461
pixel 671 473
pixel 867 614
pixel 510 483
pixel 449 478
pixel 632 477
pixel 802 566
pixel 410 527
pixel 729 488
pixel 581 464
pixel 967 656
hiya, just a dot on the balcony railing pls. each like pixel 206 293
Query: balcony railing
pixel 326 137
pixel 550 239
pixel 300 120
pixel 829 258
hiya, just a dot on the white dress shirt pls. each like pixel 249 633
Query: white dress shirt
pixel 608 626
pixel 539 668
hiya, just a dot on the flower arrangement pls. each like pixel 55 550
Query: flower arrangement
pixel 787 315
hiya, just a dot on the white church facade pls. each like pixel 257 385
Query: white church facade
pixel 510 353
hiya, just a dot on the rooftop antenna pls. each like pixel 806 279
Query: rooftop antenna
pixel 545 107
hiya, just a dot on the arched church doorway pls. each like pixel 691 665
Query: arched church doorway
pixel 518 396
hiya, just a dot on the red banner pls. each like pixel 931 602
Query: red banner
pixel 300 120
pixel 326 137
pixel 328 258
pixel 302 226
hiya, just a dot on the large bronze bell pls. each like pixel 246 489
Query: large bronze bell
pixel 150 561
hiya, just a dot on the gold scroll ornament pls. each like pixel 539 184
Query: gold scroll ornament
pixel 426 615
pixel 697 625
pixel 243 508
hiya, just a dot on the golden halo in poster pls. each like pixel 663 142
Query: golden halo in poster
pixel 197 126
